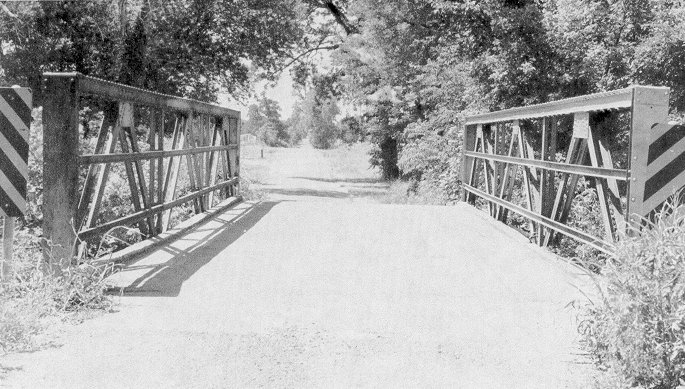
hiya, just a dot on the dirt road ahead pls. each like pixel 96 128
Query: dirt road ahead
pixel 317 286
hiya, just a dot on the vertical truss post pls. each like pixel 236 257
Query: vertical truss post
pixel 490 169
pixel 508 173
pixel 467 164
pixel 548 153
pixel 173 168
pixel 530 174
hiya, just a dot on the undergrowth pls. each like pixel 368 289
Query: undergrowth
pixel 635 330
pixel 413 192
pixel 34 299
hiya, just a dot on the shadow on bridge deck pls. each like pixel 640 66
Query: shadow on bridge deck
pixel 163 274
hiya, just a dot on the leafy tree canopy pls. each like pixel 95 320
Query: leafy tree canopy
pixel 193 48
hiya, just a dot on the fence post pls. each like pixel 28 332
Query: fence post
pixel 650 107
pixel 60 169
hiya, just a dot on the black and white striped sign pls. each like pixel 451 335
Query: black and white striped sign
pixel 665 164
pixel 15 121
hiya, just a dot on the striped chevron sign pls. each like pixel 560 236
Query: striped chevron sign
pixel 665 164
pixel 15 120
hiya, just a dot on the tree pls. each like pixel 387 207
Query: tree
pixel 191 48
pixel 295 127
pixel 264 121
pixel 317 110
pixel 351 130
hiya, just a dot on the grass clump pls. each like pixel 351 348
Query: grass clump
pixel 34 299
pixel 635 332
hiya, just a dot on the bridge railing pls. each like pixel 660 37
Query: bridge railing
pixel 544 150
pixel 152 135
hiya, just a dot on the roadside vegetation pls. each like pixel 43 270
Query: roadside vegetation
pixel 35 299
pixel 634 328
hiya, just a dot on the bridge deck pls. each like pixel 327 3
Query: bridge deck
pixel 331 294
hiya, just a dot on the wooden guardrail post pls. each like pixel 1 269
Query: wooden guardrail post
pixel 60 169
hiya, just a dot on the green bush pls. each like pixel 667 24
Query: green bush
pixel 636 330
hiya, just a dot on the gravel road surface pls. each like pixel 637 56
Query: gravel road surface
pixel 319 285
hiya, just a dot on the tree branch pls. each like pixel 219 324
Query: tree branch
pixel 340 17
pixel 302 54
pixel 7 11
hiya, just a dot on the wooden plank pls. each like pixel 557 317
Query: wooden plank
pixel 547 222
pixel 173 168
pixel 145 213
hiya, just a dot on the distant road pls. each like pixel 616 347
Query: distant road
pixel 321 286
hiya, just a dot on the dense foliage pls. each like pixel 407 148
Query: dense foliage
pixel 636 328
pixel 181 47
pixel 264 121
pixel 418 66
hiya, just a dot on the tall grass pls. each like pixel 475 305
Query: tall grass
pixel 635 331
pixel 34 299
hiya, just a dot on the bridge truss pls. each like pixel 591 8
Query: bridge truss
pixel 173 150
pixel 529 160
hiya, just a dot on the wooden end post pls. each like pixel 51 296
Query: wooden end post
pixel 60 169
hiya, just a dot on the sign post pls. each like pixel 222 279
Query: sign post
pixel 15 121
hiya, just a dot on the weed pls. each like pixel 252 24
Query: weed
pixel 34 298
pixel 636 331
